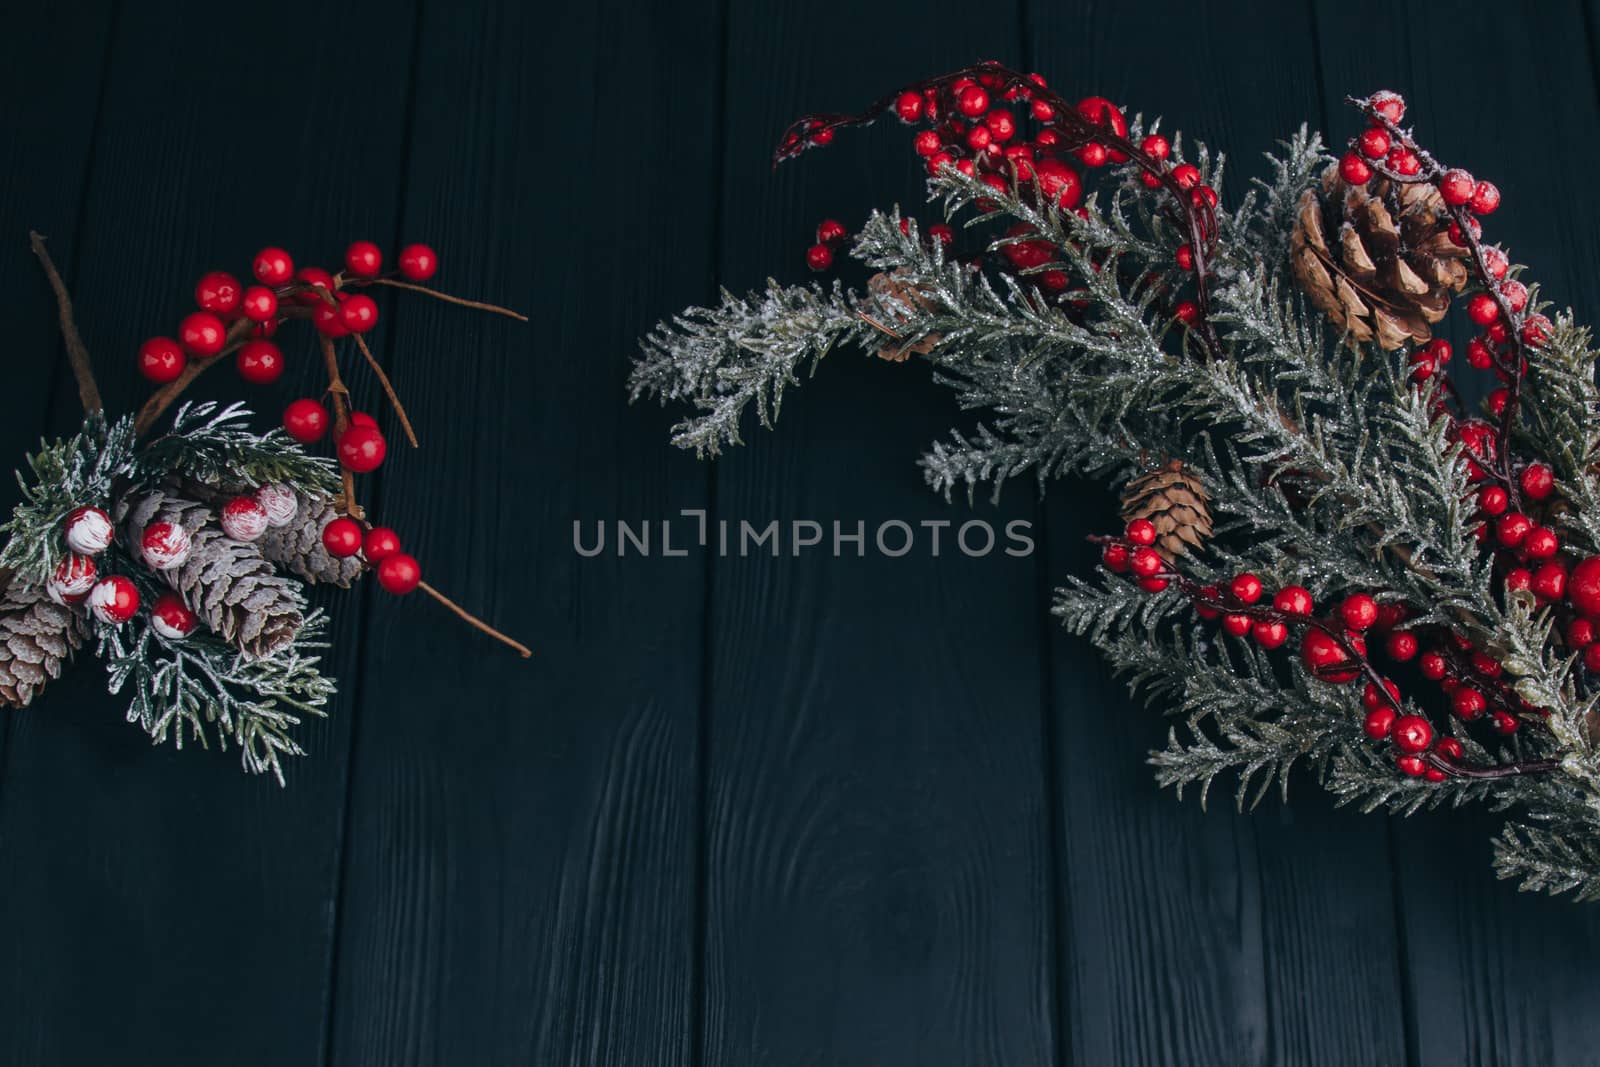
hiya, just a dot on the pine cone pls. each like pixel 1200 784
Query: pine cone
pixel 36 636
pixel 232 587
pixel 1172 498
pixel 298 546
pixel 1377 259
pixel 885 285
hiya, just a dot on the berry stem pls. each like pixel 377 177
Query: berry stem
pixel 1498 770
pixel 388 390
pixel 446 297
pixel 162 398
pixel 473 621
pixel 346 504
pixel 77 351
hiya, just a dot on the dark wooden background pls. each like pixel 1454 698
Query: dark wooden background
pixel 735 811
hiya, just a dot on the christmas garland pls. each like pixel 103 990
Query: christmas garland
pixel 1331 558
pixel 185 558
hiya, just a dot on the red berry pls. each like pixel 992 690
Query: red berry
pixel 1401 645
pixel 1153 585
pixel 926 143
pixel 1580 633
pixel 1373 697
pixel 1467 703
pixel 1549 581
pixel 1375 143
pixel 1432 774
pixel 1058 181
pixel 1432 665
pixel 1449 748
pixel 316 278
pixel 1411 766
pixel 171 618
pixel 305 420
pixel 1102 112
pixel 1237 625
pixel 260 303
pixel 399 573
pixel 1541 543
pixel 363 259
pixel 1518 580
pixel 418 263
pixel 217 292
pixel 1246 588
pixel 1379 721
pixel 1142 532
pixel 1354 170
pixel 1043 112
pixel 1512 528
pixel 1270 634
pixel 1146 562
pixel 1187 312
pixel 830 230
pixel 202 334
pixel 161 359
pixel 260 362
pixel 342 537
pixel 1359 611
pixel 1326 659
pixel 819 257
pixel 358 313
pixel 908 105
pixel 362 448
pixel 1515 294
pixel 1536 330
pixel 1404 161
pixel 1440 350
pixel 1155 146
pixel 1485 198
pixel 1412 733
pixel 1583 586
pixel 1293 600
pixel 1187 175
pixel 1505 723
pixel 329 320
pixel 380 543
pixel 1497 263
pixel 978 138
pixel 1478 355
pixel 361 418
pixel 1456 186
pixel 1591 657
pixel 1482 309
pixel 1001 123
pixel 1185 257
pixel 1391 615
pixel 1093 154
pixel 1474 230
pixel 273 267
pixel 945 235
pixel 1391 105
pixel 114 600
pixel 1115 557
pixel 1492 500
pixel 1207 593
pixel 972 101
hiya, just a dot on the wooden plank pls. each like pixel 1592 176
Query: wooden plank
pixel 1193 936
pixel 1493 976
pixel 42 177
pixel 878 857
pixel 521 869
pixel 160 900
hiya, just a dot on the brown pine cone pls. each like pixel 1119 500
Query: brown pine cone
pixel 1172 498
pixel 229 584
pixel 885 285
pixel 36 636
pixel 1377 259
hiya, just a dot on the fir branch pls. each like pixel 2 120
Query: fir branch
pixel 80 471
pixel 214 444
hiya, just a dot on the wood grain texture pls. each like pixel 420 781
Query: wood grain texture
pixel 1190 936
pixel 161 903
pixel 521 870
pixel 878 875
pixel 1495 977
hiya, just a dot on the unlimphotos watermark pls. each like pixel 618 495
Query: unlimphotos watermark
pixel 893 538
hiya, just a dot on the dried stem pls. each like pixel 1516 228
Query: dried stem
pixel 346 504
pixel 473 621
pixel 446 297
pixel 388 390
pixel 77 352
pixel 162 398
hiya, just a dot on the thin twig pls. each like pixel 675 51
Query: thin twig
pixel 473 621
pixel 388 390
pixel 77 352
pixel 447 298
pixel 346 503
pixel 162 398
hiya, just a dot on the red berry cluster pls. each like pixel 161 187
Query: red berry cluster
pixel 978 122
pixel 1334 650
pixel 398 572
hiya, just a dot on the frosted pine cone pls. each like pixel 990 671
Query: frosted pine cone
pixel 229 584
pixel 298 545
pixel 36 636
